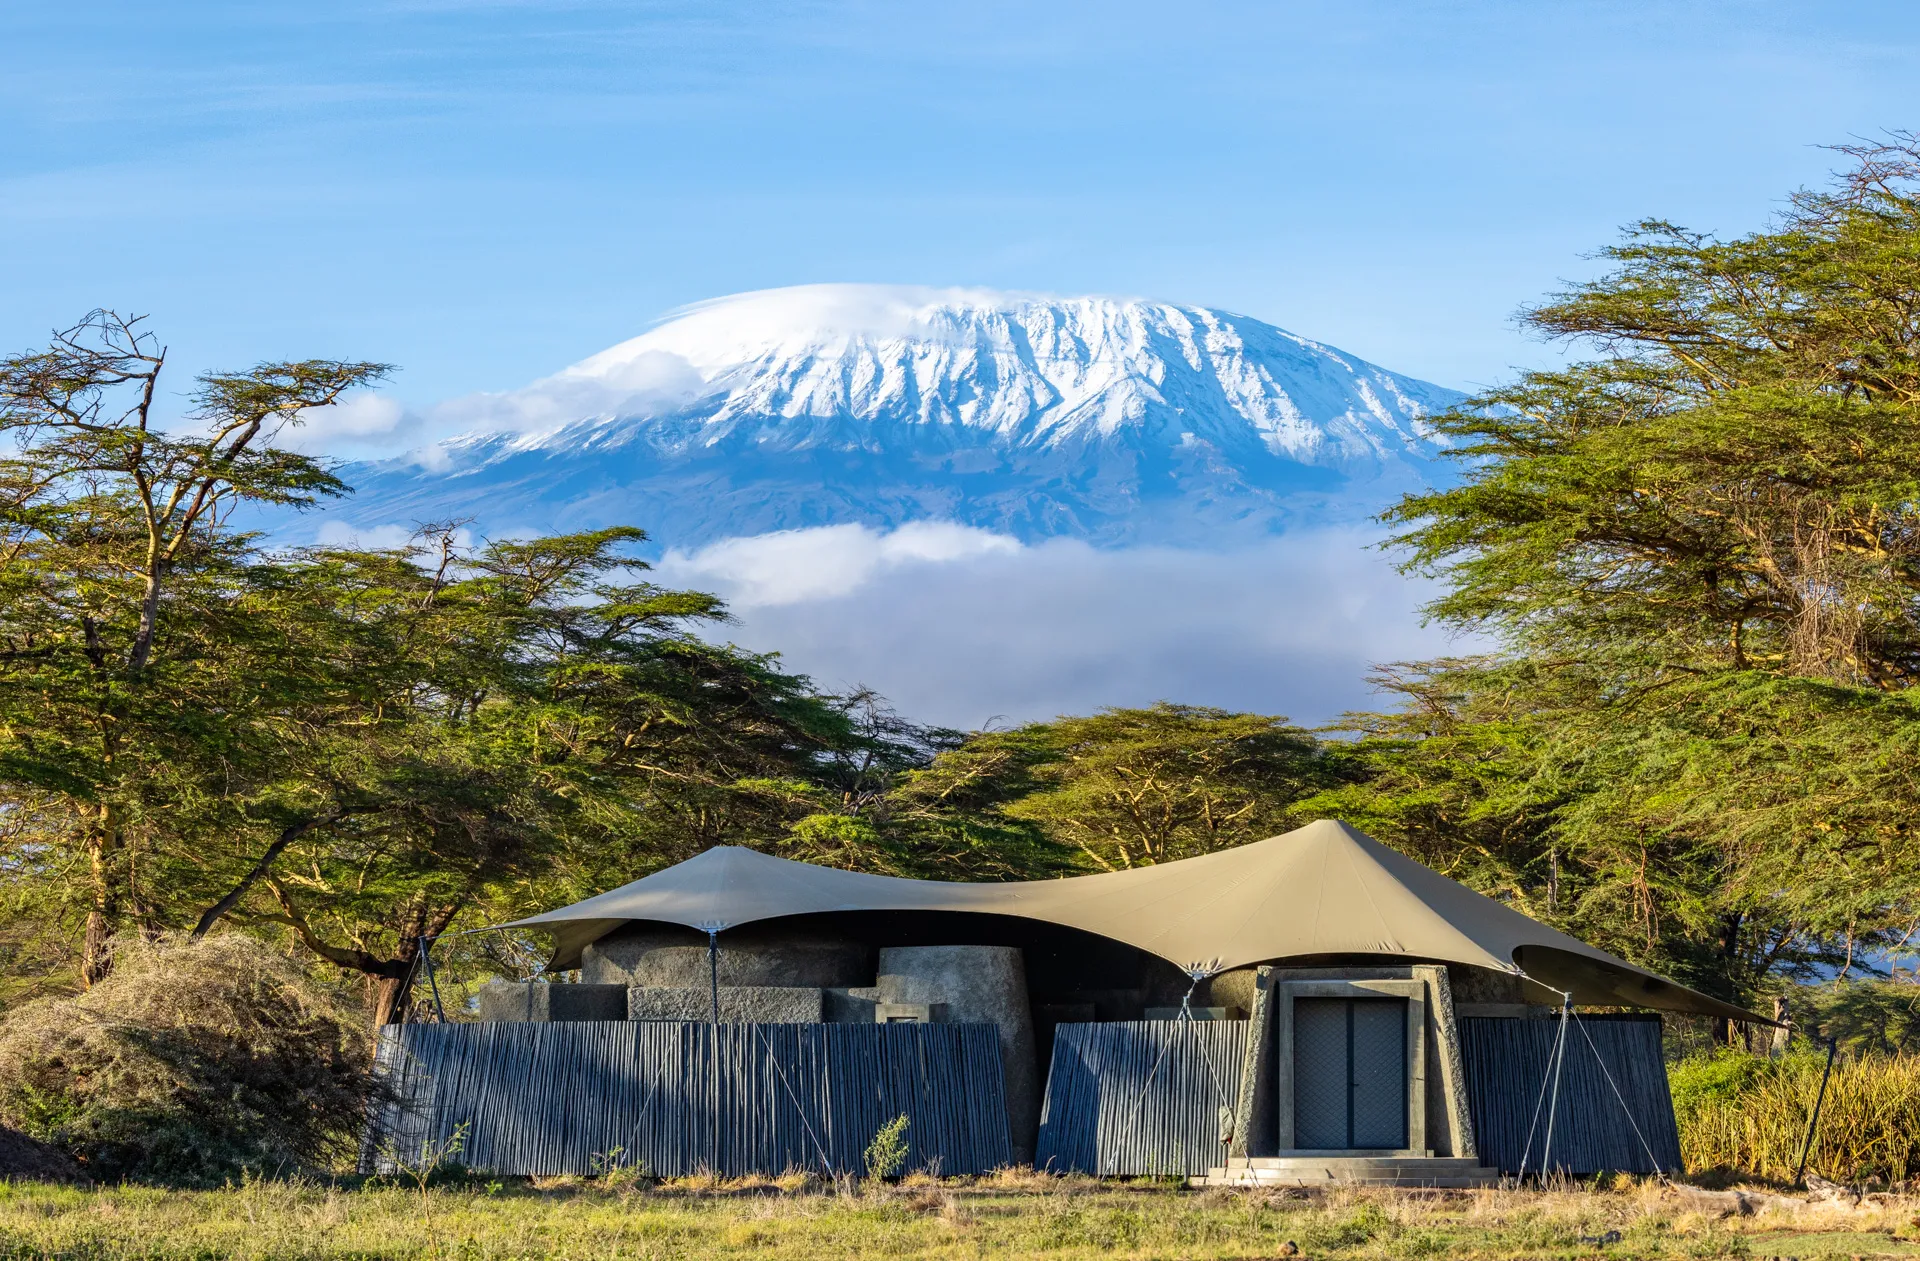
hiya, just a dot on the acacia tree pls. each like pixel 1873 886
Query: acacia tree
pixel 109 523
pixel 353 747
pixel 1120 788
pixel 1734 480
pixel 542 726
pixel 1699 549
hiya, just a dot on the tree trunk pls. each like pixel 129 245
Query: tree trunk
pixel 393 999
pixel 1730 951
pixel 96 958
pixel 391 978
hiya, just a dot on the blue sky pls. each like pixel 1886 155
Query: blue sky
pixel 483 192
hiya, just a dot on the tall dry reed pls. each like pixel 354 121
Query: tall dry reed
pixel 1752 1120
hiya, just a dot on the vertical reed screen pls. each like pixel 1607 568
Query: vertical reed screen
pixel 1593 1130
pixel 673 1098
pixel 1135 1097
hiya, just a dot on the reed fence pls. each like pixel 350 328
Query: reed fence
pixel 1141 1097
pixel 670 1098
pixel 1593 1128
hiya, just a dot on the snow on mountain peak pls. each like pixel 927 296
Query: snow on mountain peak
pixel 877 404
pixel 723 332
pixel 1027 368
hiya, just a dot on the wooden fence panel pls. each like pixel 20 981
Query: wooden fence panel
pixel 674 1098
pixel 1152 1097
pixel 1594 1130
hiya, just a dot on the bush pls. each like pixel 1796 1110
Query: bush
pixel 1745 1116
pixel 1701 1083
pixel 190 1063
pixel 887 1153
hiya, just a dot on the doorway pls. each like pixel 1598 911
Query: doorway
pixel 1350 1084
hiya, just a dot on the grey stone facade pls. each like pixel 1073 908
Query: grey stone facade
pixel 663 957
pixel 739 1004
pixel 1445 1128
pixel 987 984
pixel 536 1001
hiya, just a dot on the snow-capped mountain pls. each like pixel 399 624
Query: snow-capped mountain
pixel 1102 418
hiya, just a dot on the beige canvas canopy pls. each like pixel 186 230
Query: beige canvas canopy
pixel 1324 889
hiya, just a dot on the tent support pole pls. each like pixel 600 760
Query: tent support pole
pixel 713 1045
pixel 713 970
pixel 1813 1122
pixel 433 983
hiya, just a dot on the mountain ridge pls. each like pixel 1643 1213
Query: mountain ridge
pixel 1114 420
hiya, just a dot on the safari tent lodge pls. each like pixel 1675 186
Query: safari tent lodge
pixel 1311 1008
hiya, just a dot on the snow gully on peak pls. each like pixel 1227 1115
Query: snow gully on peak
pixel 1109 419
pixel 1020 368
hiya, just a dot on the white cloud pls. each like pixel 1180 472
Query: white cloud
pixel 642 382
pixel 371 425
pixel 792 566
pixel 362 420
pixel 963 627
pixel 333 533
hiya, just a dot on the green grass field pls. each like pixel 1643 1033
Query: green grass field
pixel 1015 1216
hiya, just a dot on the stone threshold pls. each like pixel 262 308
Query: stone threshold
pixel 1450 1172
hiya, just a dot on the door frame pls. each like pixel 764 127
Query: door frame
pixel 1415 992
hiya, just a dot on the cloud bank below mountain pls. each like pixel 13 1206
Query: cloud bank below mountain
pixel 985 505
pixel 964 627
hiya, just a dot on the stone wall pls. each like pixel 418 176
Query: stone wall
pixel 977 983
pixel 518 1001
pixel 739 1004
pixel 659 956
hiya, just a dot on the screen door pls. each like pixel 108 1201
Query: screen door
pixel 1350 1073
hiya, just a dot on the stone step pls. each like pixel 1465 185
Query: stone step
pixel 1321 1171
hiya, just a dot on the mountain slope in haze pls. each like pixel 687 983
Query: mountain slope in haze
pixel 1107 419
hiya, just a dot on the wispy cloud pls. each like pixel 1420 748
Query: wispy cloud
pixel 364 421
pixel 963 627
pixel 376 425
pixel 642 382
pixel 829 562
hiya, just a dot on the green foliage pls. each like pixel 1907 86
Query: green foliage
pixel 1866 1017
pixel 887 1154
pixel 348 748
pixel 547 732
pixel 1124 787
pixel 1736 828
pixel 191 1062
pixel 1733 481
pixel 1751 1120
pixel 1713 1082
pixel 1699 555
pixel 146 659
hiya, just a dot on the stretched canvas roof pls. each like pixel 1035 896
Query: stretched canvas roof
pixel 1324 889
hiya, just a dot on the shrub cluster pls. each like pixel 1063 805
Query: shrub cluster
pixel 1743 1115
pixel 190 1063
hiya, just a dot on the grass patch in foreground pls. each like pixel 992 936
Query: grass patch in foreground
pixel 1009 1216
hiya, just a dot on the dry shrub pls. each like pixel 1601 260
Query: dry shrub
pixel 927 1199
pixel 190 1063
pixel 1750 1119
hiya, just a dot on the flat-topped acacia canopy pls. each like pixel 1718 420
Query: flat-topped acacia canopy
pixel 1324 889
